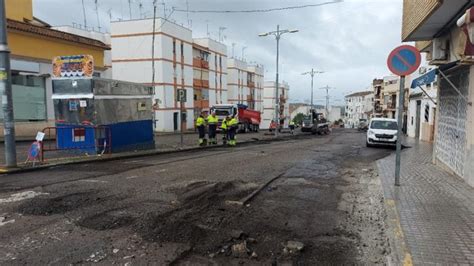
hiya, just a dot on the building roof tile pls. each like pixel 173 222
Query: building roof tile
pixel 47 32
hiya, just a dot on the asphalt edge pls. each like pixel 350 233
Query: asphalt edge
pixel 399 251
pixel 4 171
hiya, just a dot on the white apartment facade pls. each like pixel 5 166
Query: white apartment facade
pixel 245 84
pixel 269 103
pixel 359 105
pixel 181 62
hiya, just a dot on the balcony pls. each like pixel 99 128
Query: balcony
pixel 251 84
pixel 201 104
pixel 199 83
pixel 200 63
pixel 422 20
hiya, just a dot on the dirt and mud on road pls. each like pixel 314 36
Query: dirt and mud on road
pixel 325 205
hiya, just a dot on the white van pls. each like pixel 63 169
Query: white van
pixel 382 131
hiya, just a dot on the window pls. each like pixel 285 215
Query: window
pixel 174 46
pixel 182 49
pixel 79 134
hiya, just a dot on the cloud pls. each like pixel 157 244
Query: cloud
pixel 349 41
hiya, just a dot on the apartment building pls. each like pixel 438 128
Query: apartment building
pixel 444 30
pixel 377 87
pixel 209 74
pixel 132 60
pixel 269 103
pixel 245 84
pixel 359 105
pixel 199 66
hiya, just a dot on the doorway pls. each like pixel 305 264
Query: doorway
pixel 175 121
pixel 418 120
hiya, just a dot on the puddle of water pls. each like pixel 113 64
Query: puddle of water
pixel 22 196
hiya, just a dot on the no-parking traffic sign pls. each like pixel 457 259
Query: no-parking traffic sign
pixel 404 60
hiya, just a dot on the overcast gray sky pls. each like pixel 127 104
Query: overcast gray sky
pixel 350 41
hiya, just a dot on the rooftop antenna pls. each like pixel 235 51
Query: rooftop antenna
pixel 243 50
pixel 109 11
pixel 84 12
pixel 97 13
pixel 221 30
pixel 140 8
pixel 164 8
pixel 121 8
pixel 187 14
pixel 130 8
pixel 207 27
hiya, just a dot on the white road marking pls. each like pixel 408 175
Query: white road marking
pixel 94 181
pixel 22 196
pixel 2 223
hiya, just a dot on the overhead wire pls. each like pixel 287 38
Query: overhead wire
pixel 261 10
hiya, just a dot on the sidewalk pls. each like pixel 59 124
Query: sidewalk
pixel 435 209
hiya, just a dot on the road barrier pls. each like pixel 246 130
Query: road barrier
pixel 80 139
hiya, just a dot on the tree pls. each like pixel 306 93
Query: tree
pixel 298 119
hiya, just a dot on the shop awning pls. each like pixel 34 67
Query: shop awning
pixel 427 78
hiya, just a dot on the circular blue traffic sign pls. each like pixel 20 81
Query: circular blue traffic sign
pixel 404 60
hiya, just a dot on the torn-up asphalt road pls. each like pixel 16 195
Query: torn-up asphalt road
pixel 323 206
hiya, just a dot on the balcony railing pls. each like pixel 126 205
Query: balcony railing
pixel 200 63
pixel 199 83
pixel 201 104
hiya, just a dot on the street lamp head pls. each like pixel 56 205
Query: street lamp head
pixel 263 34
pixel 293 31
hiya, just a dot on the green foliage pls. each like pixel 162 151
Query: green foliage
pixel 298 119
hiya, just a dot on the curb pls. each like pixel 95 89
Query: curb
pixel 400 254
pixel 141 154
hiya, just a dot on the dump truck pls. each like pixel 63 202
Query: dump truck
pixel 249 120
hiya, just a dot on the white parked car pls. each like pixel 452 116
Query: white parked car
pixel 382 131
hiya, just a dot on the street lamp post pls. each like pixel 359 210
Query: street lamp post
pixel 277 35
pixel 312 72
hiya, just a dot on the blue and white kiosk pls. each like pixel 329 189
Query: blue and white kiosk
pixel 94 115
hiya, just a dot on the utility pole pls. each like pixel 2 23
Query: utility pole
pixel 6 91
pixel 129 7
pixel 327 88
pixel 277 35
pixel 84 13
pixel 153 61
pixel 312 73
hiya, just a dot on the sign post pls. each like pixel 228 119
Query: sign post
pixel 181 98
pixel 402 61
